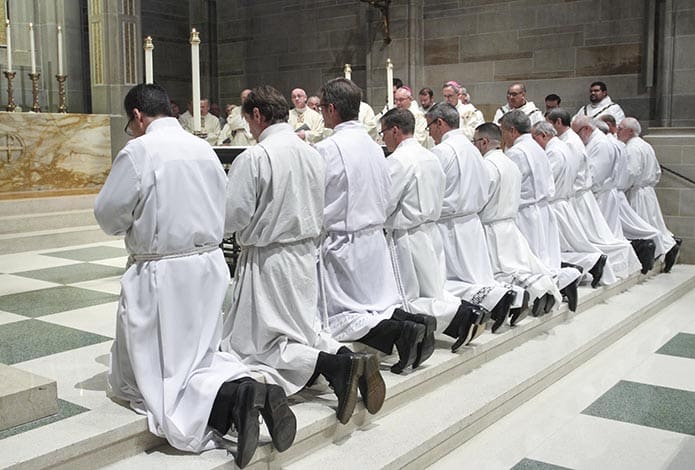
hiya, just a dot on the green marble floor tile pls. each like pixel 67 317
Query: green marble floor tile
pixel 528 464
pixel 41 302
pixel 681 345
pixel 92 253
pixel 65 410
pixel 73 273
pixel 647 405
pixel 29 339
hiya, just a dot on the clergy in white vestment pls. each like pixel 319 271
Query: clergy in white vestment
pixel 166 193
pixel 644 173
pixel 600 103
pixel 236 131
pixel 274 206
pixel 621 256
pixel 360 294
pixel 367 118
pixel 469 116
pixel 516 99
pixel 415 203
pixel 510 255
pixel 210 124
pixel 403 97
pixel 635 228
pixel 464 246
pixel 306 122
pixel 535 219
pixel 574 244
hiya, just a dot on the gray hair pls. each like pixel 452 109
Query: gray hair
pixel 544 128
pixel 632 124
pixel 602 126
pixel 446 112
pixel 516 119
pixel 582 121
pixel 562 114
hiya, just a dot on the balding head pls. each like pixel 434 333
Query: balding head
pixel 299 98
pixel 402 98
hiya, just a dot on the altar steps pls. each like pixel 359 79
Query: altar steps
pixel 427 412
pixel 48 222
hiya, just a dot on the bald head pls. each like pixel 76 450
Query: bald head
pixel 299 98
pixel 402 98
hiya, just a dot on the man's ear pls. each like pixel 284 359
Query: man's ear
pixel 257 116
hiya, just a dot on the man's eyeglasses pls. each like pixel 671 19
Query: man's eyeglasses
pixel 383 131
pixel 514 93
pixel 431 123
pixel 127 130
pixel 323 106
pixel 478 139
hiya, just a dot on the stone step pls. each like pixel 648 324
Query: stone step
pixel 478 385
pixel 25 397
pixel 40 205
pixel 24 223
pixel 48 239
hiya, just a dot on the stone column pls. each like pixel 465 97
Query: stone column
pixel 665 39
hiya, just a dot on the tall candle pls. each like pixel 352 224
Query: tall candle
pixel 195 69
pixel 60 50
pixel 9 46
pixel 32 48
pixel 348 71
pixel 389 82
pixel 149 47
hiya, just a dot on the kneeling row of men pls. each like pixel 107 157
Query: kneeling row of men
pixel 338 245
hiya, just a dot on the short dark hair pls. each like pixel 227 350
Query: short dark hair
pixel 446 112
pixel 270 103
pixel 553 97
pixel 609 118
pixel 562 114
pixel 397 82
pixel 344 95
pixel 600 85
pixel 516 119
pixel 149 98
pixel 490 130
pixel 426 91
pixel 400 118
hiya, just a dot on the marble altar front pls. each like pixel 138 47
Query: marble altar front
pixel 44 154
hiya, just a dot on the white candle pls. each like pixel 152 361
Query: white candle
pixel 389 82
pixel 32 48
pixel 9 46
pixel 60 50
pixel 149 47
pixel 195 69
pixel 348 71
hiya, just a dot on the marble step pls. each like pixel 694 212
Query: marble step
pixel 39 205
pixel 25 397
pixel 52 238
pixel 478 385
pixel 33 222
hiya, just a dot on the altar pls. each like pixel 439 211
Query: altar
pixel 53 154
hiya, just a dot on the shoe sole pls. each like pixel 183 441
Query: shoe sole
pixel 279 418
pixel 248 428
pixel 371 385
pixel 426 348
pixel 345 410
pixel 415 336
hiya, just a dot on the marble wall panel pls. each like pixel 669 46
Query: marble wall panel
pixel 53 152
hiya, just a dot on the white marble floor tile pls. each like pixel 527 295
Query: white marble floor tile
pixel 666 371
pixel 81 373
pixel 18 262
pixel 10 284
pixel 7 317
pixel 110 285
pixel 99 319
pixel 596 443
pixel 119 262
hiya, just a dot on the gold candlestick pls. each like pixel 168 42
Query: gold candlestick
pixel 62 108
pixel 10 96
pixel 35 91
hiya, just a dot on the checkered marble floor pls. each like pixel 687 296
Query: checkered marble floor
pixel 630 407
pixel 57 320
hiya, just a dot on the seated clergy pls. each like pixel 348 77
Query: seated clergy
pixel 306 122
pixel 516 99
pixel 165 193
pixel 360 296
pixel 236 131
pixel 274 206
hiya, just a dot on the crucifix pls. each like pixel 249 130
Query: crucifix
pixel 383 7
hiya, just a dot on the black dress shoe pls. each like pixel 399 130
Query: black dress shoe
pixel 538 306
pixel 371 384
pixel 279 418
pixel 670 258
pixel 250 398
pixel 468 316
pixel 597 270
pixel 645 250
pixel 343 372
pixel 426 348
pixel 519 313
pixel 501 310
pixel 549 303
pixel 570 293
pixel 407 345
